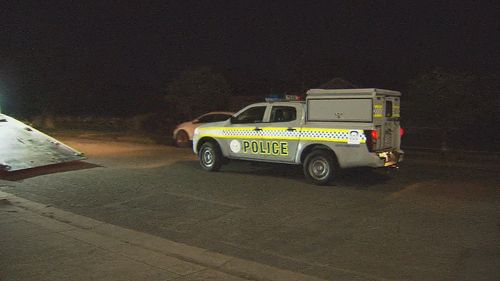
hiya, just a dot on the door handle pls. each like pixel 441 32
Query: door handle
pixel 291 129
pixel 257 129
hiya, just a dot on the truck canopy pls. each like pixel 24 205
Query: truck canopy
pixel 350 105
pixel 352 93
pixel 377 109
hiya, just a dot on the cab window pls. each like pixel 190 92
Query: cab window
pixel 251 115
pixel 283 114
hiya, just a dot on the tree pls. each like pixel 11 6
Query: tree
pixel 198 91
pixel 443 99
pixel 461 105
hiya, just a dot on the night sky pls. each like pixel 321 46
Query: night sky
pixel 69 49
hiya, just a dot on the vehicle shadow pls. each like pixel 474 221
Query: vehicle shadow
pixel 265 169
pixel 362 177
pixel 356 177
pixel 46 170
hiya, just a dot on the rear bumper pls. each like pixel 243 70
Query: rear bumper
pixel 391 158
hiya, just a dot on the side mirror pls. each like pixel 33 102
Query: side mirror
pixel 232 120
pixel 195 121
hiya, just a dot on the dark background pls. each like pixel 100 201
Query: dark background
pixel 117 58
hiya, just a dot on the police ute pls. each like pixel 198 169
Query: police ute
pixel 330 130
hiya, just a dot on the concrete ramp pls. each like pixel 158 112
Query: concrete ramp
pixel 23 147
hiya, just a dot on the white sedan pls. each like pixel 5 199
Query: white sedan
pixel 183 133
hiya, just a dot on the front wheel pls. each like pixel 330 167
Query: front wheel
pixel 210 157
pixel 319 167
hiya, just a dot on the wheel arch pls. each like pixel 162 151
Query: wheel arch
pixel 176 133
pixel 204 140
pixel 310 148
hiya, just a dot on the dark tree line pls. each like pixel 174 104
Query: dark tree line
pixel 459 109
pixel 461 106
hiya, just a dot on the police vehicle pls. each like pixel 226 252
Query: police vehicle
pixel 330 130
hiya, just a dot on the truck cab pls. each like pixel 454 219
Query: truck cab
pixel 330 130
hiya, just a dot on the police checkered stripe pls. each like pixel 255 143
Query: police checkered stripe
pixel 319 134
pixel 340 135
pixel 246 133
pixel 280 133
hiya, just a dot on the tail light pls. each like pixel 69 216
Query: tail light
pixel 401 132
pixel 371 139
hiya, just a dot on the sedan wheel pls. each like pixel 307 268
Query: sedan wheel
pixel 182 139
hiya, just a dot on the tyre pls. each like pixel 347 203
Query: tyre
pixel 181 139
pixel 320 167
pixel 210 157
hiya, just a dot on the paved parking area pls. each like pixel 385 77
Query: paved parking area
pixel 432 221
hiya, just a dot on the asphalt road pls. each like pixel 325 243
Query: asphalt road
pixel 430 221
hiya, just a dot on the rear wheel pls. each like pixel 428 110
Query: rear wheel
pixel 319 167
pixel 210 157
pixel 182 139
